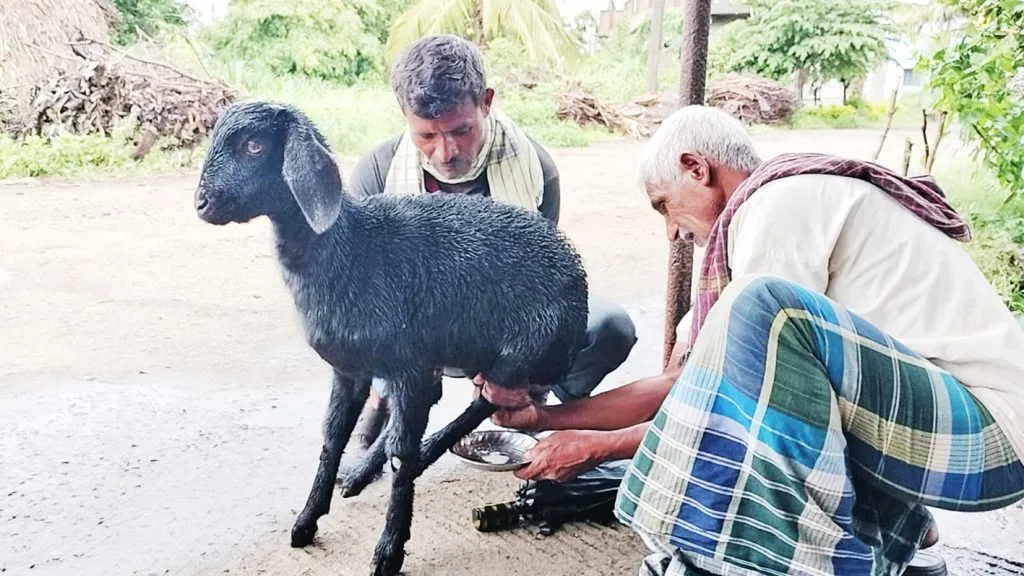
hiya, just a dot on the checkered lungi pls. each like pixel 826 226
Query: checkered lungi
pixel 800 439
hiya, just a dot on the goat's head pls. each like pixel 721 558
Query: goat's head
pixel 263 159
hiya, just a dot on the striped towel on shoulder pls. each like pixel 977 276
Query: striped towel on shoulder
pixel 514 172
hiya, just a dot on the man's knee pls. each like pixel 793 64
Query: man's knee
pixel 759 290
pixel 611 329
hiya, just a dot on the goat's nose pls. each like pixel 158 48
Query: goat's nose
pixel 201 200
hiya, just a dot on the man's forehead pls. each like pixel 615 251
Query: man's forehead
pixel 459 118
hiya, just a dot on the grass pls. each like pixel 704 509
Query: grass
pixel 79 156
pixel 998 227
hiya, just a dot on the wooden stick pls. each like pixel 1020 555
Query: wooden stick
pixel 943 125
pixel 85 40
pixel 888 122
pixel 198 57
pixel 924 135
pixel 908 148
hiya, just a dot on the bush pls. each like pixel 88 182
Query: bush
pixel 334 41
pixel 150 16
pixel 72 155
pixel 998 226
pixel 832 116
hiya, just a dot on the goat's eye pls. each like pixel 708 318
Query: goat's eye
pixel 253 148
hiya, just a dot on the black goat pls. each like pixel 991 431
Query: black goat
pixel 396 287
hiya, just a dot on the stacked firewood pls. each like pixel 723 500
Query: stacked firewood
pixel 98 96
pixel 753 99
pixel 585 109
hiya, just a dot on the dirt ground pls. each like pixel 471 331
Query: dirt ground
pixel 160 412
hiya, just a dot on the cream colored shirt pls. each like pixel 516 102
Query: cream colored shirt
pixel 852 242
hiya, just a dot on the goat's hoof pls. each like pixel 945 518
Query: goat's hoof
pixel 387 564
pixel 302 534
pixel 348 491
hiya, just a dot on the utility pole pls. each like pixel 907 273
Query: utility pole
pixel 654 45
pixel 694 60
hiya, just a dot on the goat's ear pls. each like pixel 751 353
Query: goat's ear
pixel 313 177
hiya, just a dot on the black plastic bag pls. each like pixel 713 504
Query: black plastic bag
pixel 549 504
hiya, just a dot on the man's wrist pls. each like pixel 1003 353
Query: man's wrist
pixel 545 420
pixel 620 444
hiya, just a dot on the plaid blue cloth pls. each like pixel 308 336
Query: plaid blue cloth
pixel 800 439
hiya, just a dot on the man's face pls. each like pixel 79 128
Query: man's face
pixel 451 143
pixel 690 205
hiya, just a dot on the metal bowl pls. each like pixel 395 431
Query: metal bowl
pixel 494 450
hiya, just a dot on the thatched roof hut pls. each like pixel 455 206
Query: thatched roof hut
pixel 34 36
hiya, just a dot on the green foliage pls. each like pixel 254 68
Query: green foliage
pixel 535 111
pixel 335 41
pixel 974 79
pixel 73 155
pixel 827 40
pixel 535 24
pixel 832 116
pixel 855 114
pixel 150 16
pixel 998 226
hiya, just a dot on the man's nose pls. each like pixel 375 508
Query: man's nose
pixel 448 149
pixel 672 231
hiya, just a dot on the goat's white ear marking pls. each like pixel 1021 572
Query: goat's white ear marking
pixel 314 179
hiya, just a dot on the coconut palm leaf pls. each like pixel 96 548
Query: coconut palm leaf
pixel 536 24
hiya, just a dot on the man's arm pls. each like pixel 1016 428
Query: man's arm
pixel 615 409
pixel 551 204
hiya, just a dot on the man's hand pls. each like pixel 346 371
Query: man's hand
pixel 561 456
pixel 509 399
pixel 528 418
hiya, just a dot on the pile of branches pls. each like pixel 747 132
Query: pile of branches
pixel 102 93
pixel 584 109
pixel 753 99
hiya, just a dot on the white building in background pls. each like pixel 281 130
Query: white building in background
pixel 900 71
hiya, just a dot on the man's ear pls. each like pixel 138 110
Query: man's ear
pixel 696 167
pixel 488 99
pixel 313 177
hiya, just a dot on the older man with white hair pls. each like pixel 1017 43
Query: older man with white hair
pixel 846 365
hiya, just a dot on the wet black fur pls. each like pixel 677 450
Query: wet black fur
pixel 397 287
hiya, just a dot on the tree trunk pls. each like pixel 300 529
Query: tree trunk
pixel 654 45
pixel 481 37
pixel 801 82
pixel 694 57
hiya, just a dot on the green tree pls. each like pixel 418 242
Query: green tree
pixel 148 16
pixel 818 40
pixel 979 78
pixel 334 41
pixel 535 24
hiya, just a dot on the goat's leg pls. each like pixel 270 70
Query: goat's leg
pixel 370 467
pixel 434 446
pixel 372 464
pixel 410 410
pixel 348 394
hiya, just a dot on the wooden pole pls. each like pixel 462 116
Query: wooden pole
pixel 888 122
pixel 654 45
pixel 694 58
pixel 908 150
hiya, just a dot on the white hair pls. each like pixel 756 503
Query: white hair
pixel 703 130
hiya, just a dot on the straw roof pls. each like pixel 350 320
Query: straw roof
pixel 34 36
